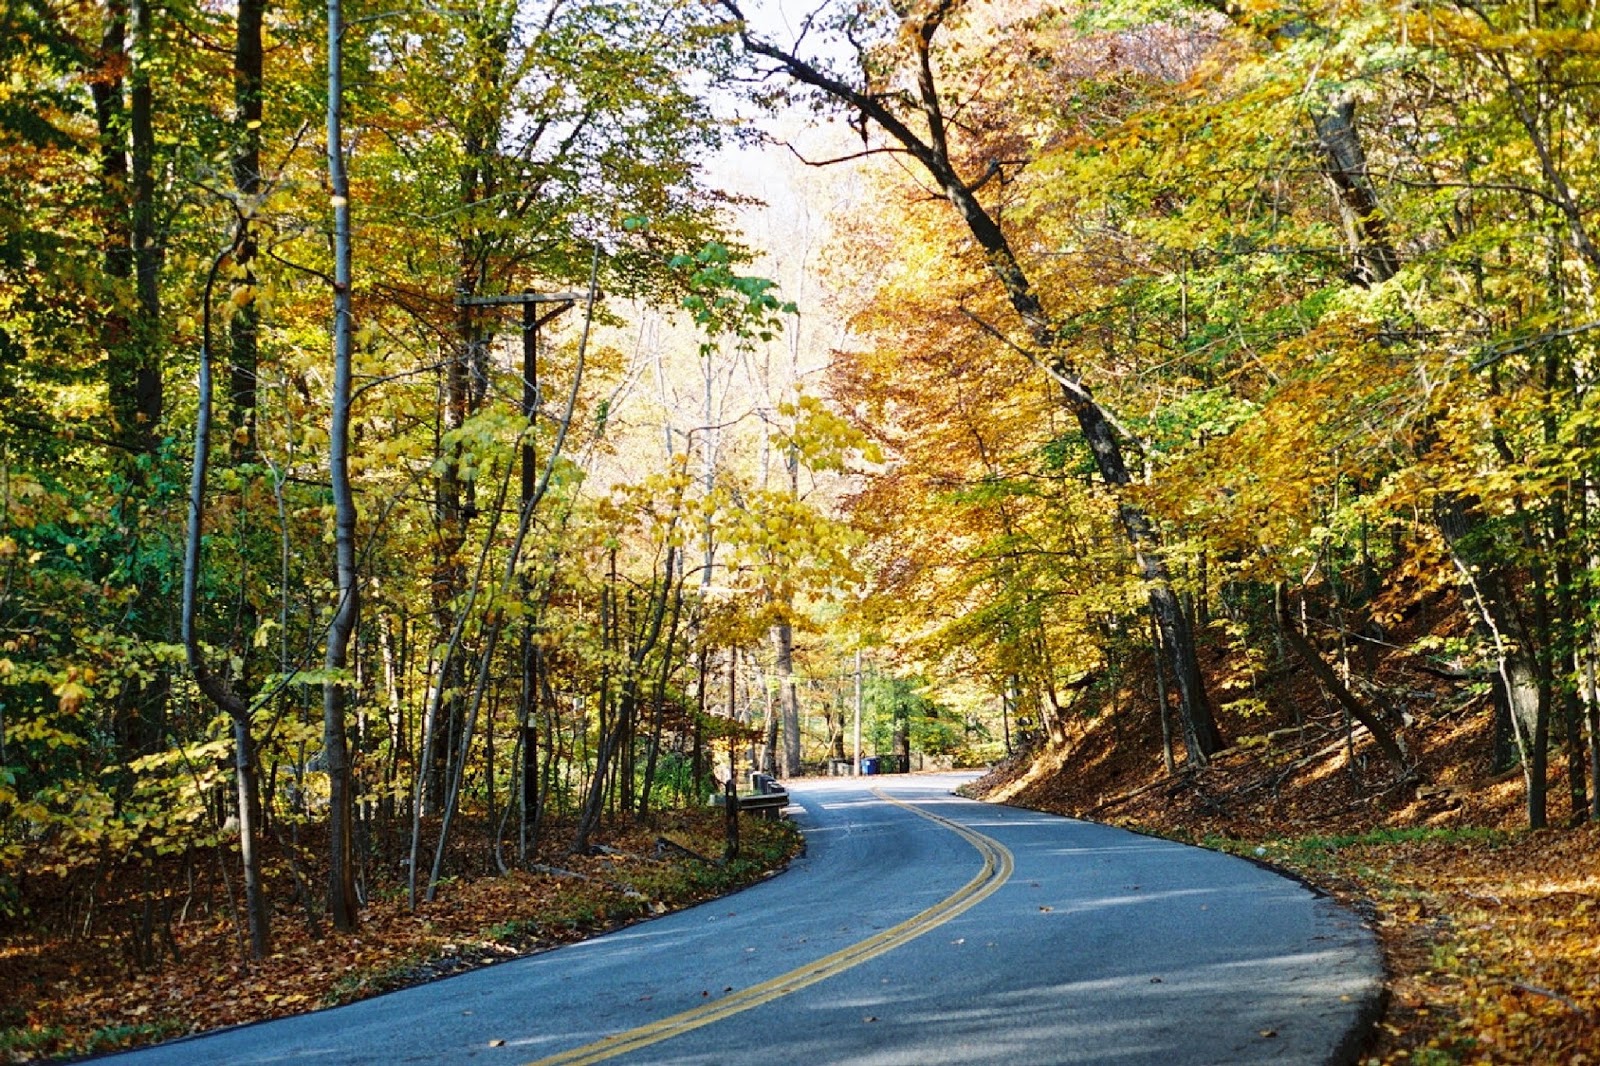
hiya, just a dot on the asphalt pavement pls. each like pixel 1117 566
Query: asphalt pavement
pixel 919 929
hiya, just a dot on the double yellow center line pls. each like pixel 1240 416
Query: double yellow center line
pixel 997 867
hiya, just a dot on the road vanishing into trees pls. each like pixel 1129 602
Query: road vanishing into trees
pixel 918 928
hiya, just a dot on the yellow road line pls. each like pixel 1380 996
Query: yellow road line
pixel 996 870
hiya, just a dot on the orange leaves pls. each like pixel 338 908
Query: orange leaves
pixel 1495 940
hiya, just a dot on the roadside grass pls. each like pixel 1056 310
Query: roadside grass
pixel 118 1037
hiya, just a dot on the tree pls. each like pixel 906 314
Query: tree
pixel 342 902
pixel 239 709
pixel 875 99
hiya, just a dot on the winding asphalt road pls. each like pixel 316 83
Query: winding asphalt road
pixel 918 929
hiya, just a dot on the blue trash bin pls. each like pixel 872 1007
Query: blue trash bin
pixel 869 765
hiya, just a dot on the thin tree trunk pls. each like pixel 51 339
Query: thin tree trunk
pixel 1564 654
pixel 245 324
pixel 1488 591
pixel 788 699
pixel 1162 707
pixel 1591 690
pixel 769 729
pixel 594 803
pixel 395 706
pixel 437 703
pixel 486 658
pixel 660 699
pixel 215 688
pixel 342 903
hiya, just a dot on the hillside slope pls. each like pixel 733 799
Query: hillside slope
pixel 1491 932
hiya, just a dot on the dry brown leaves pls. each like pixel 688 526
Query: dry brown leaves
pixel 1495 945
pixel 1491 935
pixel 67 994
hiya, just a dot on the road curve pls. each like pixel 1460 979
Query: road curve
pixel 919 928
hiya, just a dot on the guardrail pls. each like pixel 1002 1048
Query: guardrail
pixel 768 799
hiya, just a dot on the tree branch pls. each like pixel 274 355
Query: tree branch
pixel 842 158
pixel 1059 378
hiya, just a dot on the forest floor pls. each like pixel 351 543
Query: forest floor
pixel 1490 932
pixel 85 973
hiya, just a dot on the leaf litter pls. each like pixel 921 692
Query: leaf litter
pixel 64 992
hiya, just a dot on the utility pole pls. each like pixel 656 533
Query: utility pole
pixel 857 770
pixel 528 653
pixel 1008 699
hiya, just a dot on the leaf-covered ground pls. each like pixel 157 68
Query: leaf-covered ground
pixel 68 989
pixel 1491 933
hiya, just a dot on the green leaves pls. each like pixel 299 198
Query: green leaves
pixel 726 304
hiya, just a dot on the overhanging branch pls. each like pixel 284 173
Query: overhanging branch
pixel 1075 388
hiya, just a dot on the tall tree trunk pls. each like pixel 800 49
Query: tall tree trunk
pixel 788 699
pixel 244 327
pixel 342 903
pixel 1490 596
pixel 1564 652
pixel 1591 701
pixel 130 332
pixel 1488 587
pixel 659 698
pixel 465 372
pixel 1177 633
pixel 147 248
pixel 449 571
pixel 117 329
pixel 243 330
pixel 606 733
pixel 215 687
